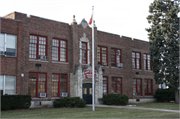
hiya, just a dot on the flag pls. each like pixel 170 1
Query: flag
pixel 90 21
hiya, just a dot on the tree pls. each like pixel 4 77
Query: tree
pixel 163 39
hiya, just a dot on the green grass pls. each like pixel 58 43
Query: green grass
pixel 100 112
pixel 161 105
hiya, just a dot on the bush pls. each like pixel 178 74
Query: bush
pixel 9 102
pixel 115 99
pixel 69 102
pixel 165 95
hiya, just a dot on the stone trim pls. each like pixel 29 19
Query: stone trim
pixel 84 39
pixel 37 60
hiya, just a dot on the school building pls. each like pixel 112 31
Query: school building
pixel 50 59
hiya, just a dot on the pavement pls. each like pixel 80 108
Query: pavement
pixel 134 107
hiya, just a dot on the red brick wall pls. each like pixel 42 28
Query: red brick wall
pixel 50 29
pixel 127 45
pixel 12 65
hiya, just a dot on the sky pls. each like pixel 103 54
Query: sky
pixel 122 17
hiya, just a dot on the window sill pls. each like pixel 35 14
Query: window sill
pixel 37 99
pixel 137 69
pixel 84 64
pixel 37 60
pixel 8 56
pixel 104 66
pixel 55 98
pixel 148 96
pixel 148 70
pixel 138 96
pixel 60 62
pixel 117 67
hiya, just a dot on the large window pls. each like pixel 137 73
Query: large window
pixel 84 52
pixel 59 50
pixel 102 55
pixel 37 84
pixel 148 87
pixel 59 84
pixel 9 82
pixel 115 57
pixel 38 47
pixel 136 60
pixel 147 63
pixel 116 85
pixel 8 44
pixel 105 85
pixel 137 86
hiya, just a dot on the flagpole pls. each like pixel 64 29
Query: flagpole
pixel 93 108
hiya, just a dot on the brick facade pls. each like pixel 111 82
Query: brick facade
pixel 23 26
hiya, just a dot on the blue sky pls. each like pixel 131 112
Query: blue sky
pixel 123 17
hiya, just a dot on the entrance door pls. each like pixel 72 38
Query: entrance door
pixel 87 93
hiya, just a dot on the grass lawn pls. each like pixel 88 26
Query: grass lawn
pixel 87 112
pixel 167 105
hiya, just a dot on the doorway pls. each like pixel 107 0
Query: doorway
pixel 87 93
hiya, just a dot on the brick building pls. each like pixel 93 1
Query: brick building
pixel 50 59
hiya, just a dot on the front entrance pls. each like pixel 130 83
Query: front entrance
pixel 87 93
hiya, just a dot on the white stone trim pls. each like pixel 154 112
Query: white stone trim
pixel 37 60
pixel 60 62
pixel 84 39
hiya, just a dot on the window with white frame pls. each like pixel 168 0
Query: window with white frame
pixel 8 84
pixel 8 44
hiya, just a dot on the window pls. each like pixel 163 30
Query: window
pixel 8 44
pixel 105 85
pixel 37 84
pixel 9 82
pixel 38 47
pixel 136 60
pixel 84 52
pixel 102 55
pixel 115 57
pixel 147 63
pixel 59 50
pixel 148 87
pixel 137 86
pixel 116 85
pixel 59 84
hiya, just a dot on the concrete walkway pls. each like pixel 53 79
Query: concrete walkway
pixel 142 108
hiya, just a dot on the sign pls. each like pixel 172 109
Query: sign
pixel 88 74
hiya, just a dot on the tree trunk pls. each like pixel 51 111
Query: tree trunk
pixel 176 96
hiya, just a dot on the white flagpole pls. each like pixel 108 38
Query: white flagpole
pixel 93 108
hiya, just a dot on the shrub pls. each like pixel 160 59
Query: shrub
pixel 165 95
pixel 115 99
pixel 69 102
pixel 15 102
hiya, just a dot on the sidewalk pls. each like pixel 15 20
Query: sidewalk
pixel 142 108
